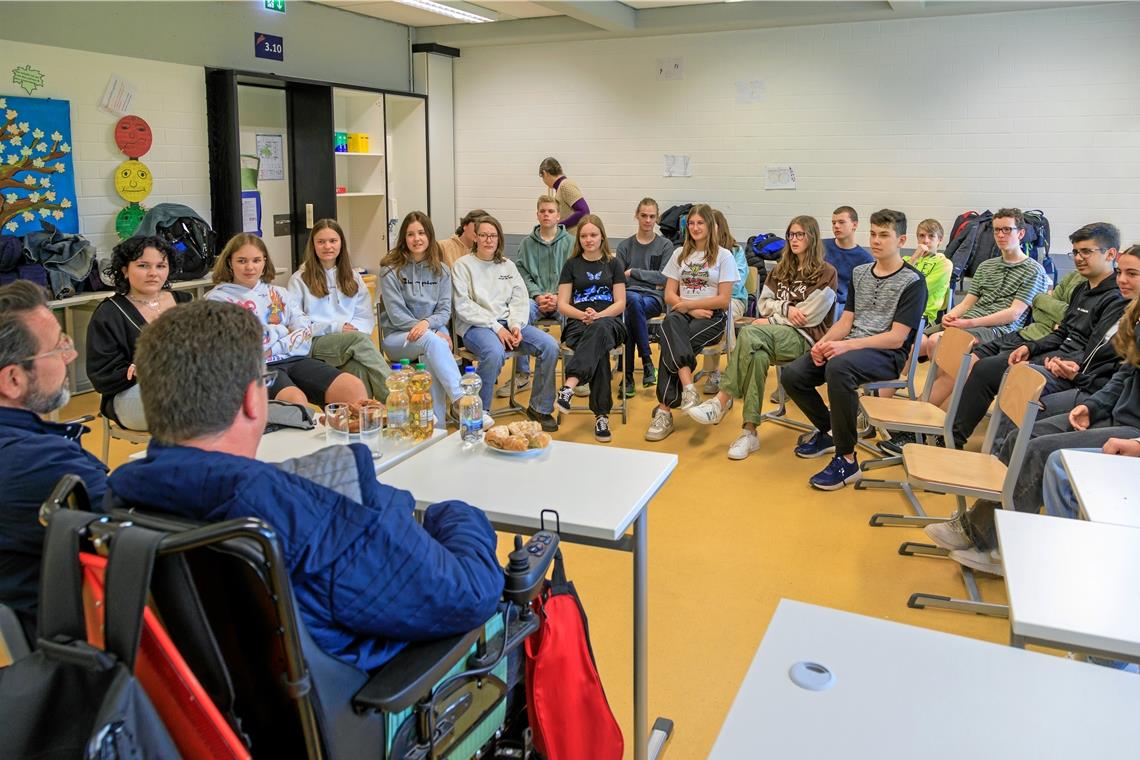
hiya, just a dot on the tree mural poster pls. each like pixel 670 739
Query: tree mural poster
pixel 37 177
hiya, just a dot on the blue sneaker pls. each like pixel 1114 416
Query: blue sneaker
pixel 837 474
pixel 818 445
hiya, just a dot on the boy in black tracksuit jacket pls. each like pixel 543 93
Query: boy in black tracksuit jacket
pixel 1083 338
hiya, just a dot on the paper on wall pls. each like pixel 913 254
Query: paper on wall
pixel 118 96
pixel 677 166
pixel 751 91
pixel 271 151
pixel 779 178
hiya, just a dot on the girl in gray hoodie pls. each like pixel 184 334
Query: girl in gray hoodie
pixel 415 296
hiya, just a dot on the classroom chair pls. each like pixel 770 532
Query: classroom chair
pixel 112 429
pixel 917 415
pixel 980 475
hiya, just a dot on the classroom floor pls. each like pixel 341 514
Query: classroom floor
pixel 727 540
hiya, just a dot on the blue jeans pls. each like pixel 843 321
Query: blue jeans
pixel 438 359
pixel 491 355
pixel 1057 489
pixel 639 309
pixel 535 315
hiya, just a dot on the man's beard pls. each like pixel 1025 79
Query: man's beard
pixel 41 402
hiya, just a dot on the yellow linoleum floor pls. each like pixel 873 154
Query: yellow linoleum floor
pixel 727 541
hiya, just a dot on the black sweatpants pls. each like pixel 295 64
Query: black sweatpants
pixel 590 363
pixel 982 387
pixel 843 375
pixel 682 336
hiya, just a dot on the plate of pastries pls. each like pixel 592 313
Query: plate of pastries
pixel 519 439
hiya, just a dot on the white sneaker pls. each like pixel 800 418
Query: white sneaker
pixel 709 412
pixel 744 445
pixel 948 535
pixel 522 382
pixel 661 426
pixel 689 397
pixel 980 560
pixel 712 384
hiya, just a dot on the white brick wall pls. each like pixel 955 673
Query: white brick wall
pixel 1036 109
pixel 170 97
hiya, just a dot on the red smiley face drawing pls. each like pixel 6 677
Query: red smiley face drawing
pixel 133 136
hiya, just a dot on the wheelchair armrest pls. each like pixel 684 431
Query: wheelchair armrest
pixel 410 675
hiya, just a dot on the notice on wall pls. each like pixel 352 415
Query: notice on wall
pixel 779 178
pixel 271 151
pixel 670 68
pixel 118 96
pixel 751 91
pixel 677 166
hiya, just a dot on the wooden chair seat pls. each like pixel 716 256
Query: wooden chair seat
pixel 953 469
pixel 893 413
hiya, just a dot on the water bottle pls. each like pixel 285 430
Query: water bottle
pixel 397 403
pixel 421 417
pixel 470 408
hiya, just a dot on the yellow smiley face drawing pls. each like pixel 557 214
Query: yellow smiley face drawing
pixel 133 181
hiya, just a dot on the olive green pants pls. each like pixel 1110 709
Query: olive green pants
pixel 356 354
pixel 757 346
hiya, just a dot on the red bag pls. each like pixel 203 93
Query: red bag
pixel 566 704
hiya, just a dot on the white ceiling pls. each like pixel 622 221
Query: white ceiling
pixel 519 21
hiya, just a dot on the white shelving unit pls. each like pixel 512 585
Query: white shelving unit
pixel 362 210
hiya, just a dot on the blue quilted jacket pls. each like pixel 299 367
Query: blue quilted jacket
pixel 366 577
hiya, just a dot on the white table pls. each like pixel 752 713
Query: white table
pixel 598 492
pixel 903 692
pixel 1105 486
pixel 1071 583
pixel 289 443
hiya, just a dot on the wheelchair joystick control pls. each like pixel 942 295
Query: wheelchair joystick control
pixel 528 566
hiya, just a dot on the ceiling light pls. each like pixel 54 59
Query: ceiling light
pixel 446 10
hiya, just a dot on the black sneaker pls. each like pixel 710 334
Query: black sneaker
pixel 602 429
pixel 563 399
pixel 549 424
pixel 893 445
pixel 648 376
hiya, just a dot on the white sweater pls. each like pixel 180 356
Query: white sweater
pixel 486 292
pixel 287 332
pixel 329 314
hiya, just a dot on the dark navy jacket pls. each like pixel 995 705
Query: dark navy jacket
pixel 366 577
pixel 34 455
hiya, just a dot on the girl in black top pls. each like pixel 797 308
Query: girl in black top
pixel 139 269
pixel 591 295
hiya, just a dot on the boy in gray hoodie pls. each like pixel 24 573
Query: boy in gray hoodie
pixel 540 259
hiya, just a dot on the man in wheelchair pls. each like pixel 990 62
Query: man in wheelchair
pixel 366 576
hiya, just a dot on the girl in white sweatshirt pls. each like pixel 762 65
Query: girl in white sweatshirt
pixel 336 300
pixel 491 311
pixel 243 279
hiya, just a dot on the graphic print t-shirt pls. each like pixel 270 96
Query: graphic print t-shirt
pixel 697 278
pixel 591 282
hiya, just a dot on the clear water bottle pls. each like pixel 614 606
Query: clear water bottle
pixel 421 416
pixel 470 408
pixel 397 403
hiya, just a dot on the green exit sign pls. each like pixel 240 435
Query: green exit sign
pixel 275 5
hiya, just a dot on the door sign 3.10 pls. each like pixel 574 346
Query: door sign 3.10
pixel 269 46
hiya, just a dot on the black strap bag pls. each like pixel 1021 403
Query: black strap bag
pixel 69 699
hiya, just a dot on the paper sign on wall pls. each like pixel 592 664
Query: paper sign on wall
pixel 677 166
pixel 118 96
pixel 271 151
pixel 751 91
pixel 779 178
pixel 670 68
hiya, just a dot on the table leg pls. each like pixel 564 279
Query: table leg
pixel 646 744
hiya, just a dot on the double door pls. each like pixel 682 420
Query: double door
pixel 379 173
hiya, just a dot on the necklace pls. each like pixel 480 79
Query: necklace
pixel 149 303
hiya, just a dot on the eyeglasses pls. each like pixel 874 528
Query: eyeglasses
pixel 269 377
pixel 1004 230
pixel 1084 253
pixel 65 345
pixel 797 235
pixel 487 235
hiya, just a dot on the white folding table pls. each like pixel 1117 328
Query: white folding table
pixel 598 492
pixel 966 698
pixel 1071 583
pixel 1105 486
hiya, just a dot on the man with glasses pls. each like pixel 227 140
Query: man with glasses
pixel 34 453
pixel 999 296
pixel 367 577
pixel 1077 358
